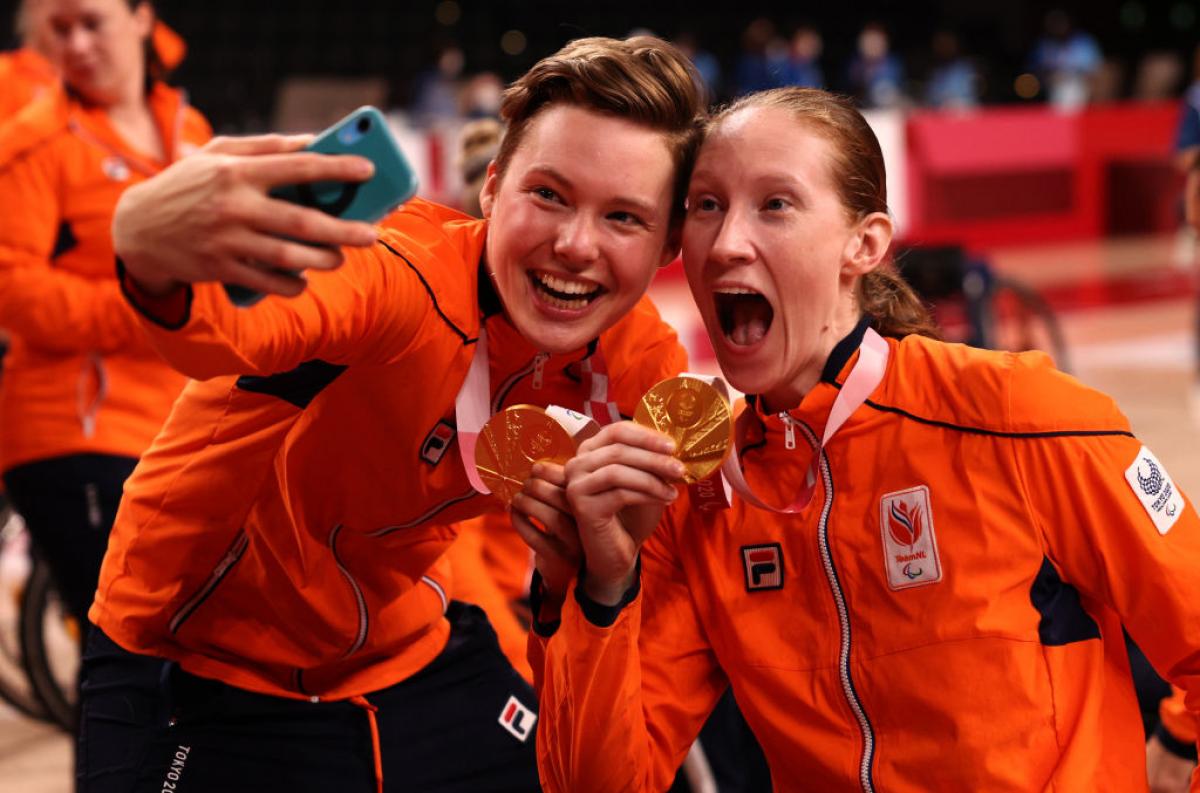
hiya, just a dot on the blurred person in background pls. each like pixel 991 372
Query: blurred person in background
pixel 875 74
pixel 953 81
pixel 436 89
pixel 763 59
pixel 83 391
pixel 1066 60
pixel 803 68
pixel 1171 750
pixel 479 140
pixel 26 73
pixel 1187 159
pixel 707 65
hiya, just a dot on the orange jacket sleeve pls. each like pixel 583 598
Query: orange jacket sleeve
pixel 621 705
pixel 368 310
pixel 1112 520
pixel 50 308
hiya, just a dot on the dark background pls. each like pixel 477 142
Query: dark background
pixel 239 50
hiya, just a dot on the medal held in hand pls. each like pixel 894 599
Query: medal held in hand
pixel 697 416
pixel 512 441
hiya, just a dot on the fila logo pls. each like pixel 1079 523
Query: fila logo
pixel 437 442
pixel 517 719
pixel 910 552
pixel 763 565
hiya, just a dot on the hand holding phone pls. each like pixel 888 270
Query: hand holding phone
pixel 365 133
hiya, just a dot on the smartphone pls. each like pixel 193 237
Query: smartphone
pixel 365 133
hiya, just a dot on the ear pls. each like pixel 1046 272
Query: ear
pixel 868 245
pixel 143 16
pixel 487 193
pixel 671 246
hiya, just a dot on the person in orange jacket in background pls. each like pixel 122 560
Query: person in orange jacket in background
pixel 32 70
pixel 275 542
pixel 924 581
pixel 1171 751
pixel 83 393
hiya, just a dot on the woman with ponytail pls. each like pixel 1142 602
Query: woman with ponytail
pixel 921 582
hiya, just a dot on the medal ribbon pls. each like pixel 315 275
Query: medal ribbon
pixel 472 406
pixel 862 381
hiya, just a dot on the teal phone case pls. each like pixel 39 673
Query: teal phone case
pixel 365 133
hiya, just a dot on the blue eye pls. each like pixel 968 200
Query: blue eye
pixel 626 218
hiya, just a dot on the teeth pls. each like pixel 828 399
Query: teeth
pixel 734 290
pixel 571 305
pixel 564 286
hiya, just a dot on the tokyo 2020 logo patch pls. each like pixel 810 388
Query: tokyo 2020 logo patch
pixel 1153 487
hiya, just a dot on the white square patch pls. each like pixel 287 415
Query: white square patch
pixel 910 552
pixel 517 719
pixel 1153 486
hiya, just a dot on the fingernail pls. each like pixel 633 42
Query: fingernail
pixel 667 445
pixel 674 495
pixel 366 168
pixel 537 469
pixel 677 468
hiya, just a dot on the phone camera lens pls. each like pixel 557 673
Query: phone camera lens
pixel 364 124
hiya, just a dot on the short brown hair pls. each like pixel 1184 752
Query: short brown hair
pixel 861 181
pixel 643 79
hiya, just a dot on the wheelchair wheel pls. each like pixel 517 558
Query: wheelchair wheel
pixel 1020 319
pixel 50 640
pixel 15 564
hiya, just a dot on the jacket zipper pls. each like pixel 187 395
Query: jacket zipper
pixel 539 370
pixel 360 601
pixel 789 431
pixel 240 543
pixel 537 366
pixel 868 756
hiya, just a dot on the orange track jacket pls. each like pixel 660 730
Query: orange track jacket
pixel 944 615
pixel 80 375
pixel 277 533
pixel 25 76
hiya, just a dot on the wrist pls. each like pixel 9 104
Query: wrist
pixel 607 591
pixel 148 283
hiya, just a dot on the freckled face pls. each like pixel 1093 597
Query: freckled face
pixel 578 224
pixel 765 246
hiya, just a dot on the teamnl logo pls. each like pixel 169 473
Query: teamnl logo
pixel 910 553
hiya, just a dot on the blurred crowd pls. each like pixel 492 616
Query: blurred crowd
pixel 1065 66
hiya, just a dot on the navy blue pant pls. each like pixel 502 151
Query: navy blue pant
pixel 153 731
pixel 69 504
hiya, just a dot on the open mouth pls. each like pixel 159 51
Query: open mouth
pixel 565 293
pixel 745 315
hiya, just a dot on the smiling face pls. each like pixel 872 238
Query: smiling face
pixel 579 222
pixel 771 252
pixel 100 45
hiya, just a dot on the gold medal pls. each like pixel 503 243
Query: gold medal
pixel 512 441
pixel 696 416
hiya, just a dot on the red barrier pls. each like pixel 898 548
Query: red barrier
pixel 1016 175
